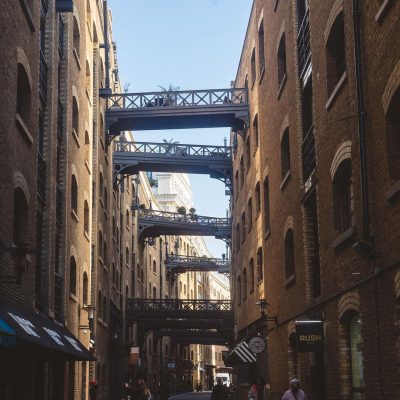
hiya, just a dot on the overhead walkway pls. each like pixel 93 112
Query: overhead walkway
pixel 132 157
pixel 177 110
pixel 154 223
pixel 180 264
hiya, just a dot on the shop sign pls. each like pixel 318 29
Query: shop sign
pixel 257 345
pixel 309 336
pixel 134 356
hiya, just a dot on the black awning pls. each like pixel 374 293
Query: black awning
pixel 42 331
pixel 241 354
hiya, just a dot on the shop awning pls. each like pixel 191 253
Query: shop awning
pixel 241 354
pixel 40 330
pixel 8 336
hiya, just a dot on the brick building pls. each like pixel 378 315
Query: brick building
pixel 315 194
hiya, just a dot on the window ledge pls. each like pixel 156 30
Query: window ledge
pixel 290 280
pixel 382 10
pixel 88 167
pixel 343 238
pixel 262 73
pixel 393 192
pixel 74 215
pixel 86 234
pixel 285 180
pixel 73 297
pixel 76 56
pixel 335 93
pixel 75 135
pixel 267 234
pixel 28 15
pixel 23 128
pixel 282 86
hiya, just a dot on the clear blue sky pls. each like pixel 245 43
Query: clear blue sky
pixel 193 44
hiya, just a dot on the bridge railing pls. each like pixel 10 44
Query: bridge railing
pixel 177 305
pixel 194 219
pixel 180 99
pixel 188 260
pixel 174 149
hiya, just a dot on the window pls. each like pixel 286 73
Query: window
pixel 356 357
pixel 154 266
pixel 88 79
pixel 289 256
pixel 236 187
pixel 260 272
pixel 258 198
pixel 248 156
pixel 154 292
pixel 244 284
pixel 23 94
pixel 127 257
pixel 241 171
pixel 20 218
pixel 392 125
pixel 86 217
pixel 281 60
pixel 100 244
pixel 127 219
pixel 75 116
pixel 87 147
pixel 342 194
pixel 250 213
pixel 308 145
pixel 239 290
pixel 76 38
pixel 72 276
pixel 255 132
pixel 243 232
pixel 252 275
pixel 114 274
pixel 335 53
pixel 85 289
pixel 285 154
pixel 266 206
pixel 261 46
pixel 237 236
pixel 101 185
pixel 74 195
pixel 253 67
pixel 105 251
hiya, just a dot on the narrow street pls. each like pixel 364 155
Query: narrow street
pixel 192 396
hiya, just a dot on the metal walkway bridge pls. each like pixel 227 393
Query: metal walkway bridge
pixel 177 110
pixel 154 223
pixel 131 157
pixel 180 264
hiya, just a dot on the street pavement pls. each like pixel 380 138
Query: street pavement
pixel 192 396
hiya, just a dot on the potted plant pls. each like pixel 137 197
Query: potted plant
pixel 192 214
pixel 168 98
pixel 169 146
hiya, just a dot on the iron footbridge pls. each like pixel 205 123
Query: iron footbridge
pixel 130 158
pixel 180 264
pixel 154 223
pixel 210 108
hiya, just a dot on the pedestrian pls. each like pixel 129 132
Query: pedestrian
pixel 257 389
pixel 294 393
pixel 219 392
pixel 92 390
pixel 141 391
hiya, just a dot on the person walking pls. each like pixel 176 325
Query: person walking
pixel 219 392
pixel 257 390
pixel 92 390
pixel 294 393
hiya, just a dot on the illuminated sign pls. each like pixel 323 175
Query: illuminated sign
pixel 309 336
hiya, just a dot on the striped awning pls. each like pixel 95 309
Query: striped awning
pixel 241 354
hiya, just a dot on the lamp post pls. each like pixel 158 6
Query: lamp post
pixel 262 304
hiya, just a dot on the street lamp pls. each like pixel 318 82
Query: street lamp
pixel 263 306
pixel 90 310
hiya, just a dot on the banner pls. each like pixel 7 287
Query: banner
pixel 134 356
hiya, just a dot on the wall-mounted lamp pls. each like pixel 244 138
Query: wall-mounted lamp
pixel 90 310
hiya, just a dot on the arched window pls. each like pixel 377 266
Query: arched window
pixel 266 206
pixel 250 214
pixel 244 284
pixel 86 217
pixel 255 132
pixel 342 196
pixel 392 125
pixel 74 194
pixel 85 289
pixel 127 256
pixel 253 67
pixel 72 275
pixel 293 356
pixel 154 266
pixel 88 78
pixel 154 292
pixel 24 94
pixel 75 116
pixel 258 198
pixel 237 236
pixel 285 154
pixel 100 244
pixel 281 60
pixel 243 230
pixel 248 154
pixel 76 38
pixel 335 53
pixel 20 217
pixel 261 44
pixel 87 147
pixel 252 275
pixel 114 226
pixel 289 256
pixel 260 268
pixel 127 219
pixel 241 171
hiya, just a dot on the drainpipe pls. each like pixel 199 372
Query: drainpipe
pixel 107 90
pixel 361 119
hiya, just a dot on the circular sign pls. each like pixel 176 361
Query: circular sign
pixel 256 345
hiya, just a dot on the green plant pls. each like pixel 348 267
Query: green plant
pixel 168 96
pixel 181 210
pixel 169 145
